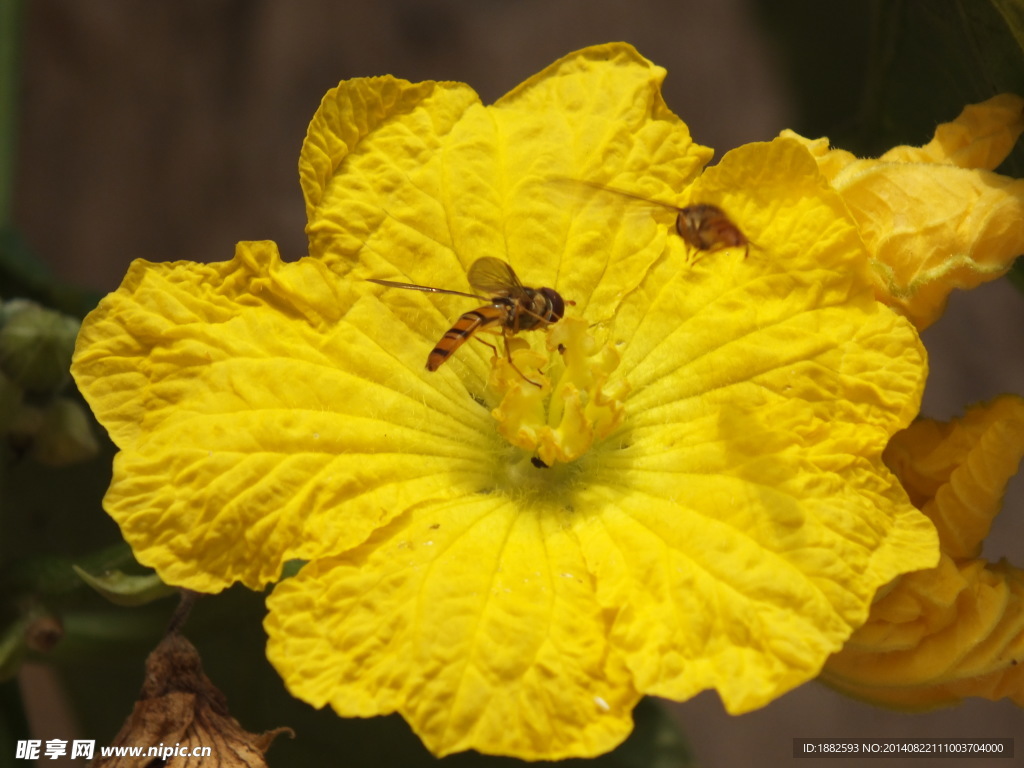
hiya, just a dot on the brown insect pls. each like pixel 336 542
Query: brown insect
pixel 704 226
pixel 511 307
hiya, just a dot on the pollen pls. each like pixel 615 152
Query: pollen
pixel 579 402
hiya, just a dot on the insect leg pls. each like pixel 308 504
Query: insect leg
pixel 493 348
pixel 508 356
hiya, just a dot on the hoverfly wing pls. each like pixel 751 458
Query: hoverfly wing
pixel 494 277
pixel 579 186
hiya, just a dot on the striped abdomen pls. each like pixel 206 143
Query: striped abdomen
pixel 464 328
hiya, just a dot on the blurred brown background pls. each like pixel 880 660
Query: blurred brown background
pixel 170 129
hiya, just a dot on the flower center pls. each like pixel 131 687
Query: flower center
pixel 575 405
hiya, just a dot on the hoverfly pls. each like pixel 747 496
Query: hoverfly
pixel 704 226
pixel 511 307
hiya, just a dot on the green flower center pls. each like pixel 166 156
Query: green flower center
pixel 534 486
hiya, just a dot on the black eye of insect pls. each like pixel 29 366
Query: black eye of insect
pixel 536 461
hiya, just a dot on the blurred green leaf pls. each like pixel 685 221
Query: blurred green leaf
pixel 13 723
pixel 52 576
pixel 874 74
pixel 22 275
pixel 1012 12
pixel 1016 275
pixel 54 512
pixel 12 648
pixel 126 590
pixel 11 15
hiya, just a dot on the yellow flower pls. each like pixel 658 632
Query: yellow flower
pixel 957 630
pixel 936 218
pixel 714 512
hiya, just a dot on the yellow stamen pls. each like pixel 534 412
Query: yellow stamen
pixel 560 422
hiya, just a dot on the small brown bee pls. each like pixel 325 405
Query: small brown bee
pixel 511 307
pixel 704 226
pixel 707 228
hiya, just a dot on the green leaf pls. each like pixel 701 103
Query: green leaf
pixel 1012 12
pixel 126 590
pixel 1016 275
pixel 11 15
pixel 22 275
pixel 12 648
pixel 871 75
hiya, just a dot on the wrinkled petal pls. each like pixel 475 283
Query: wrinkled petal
pixel 475 619
pixel 936 218
pixel 262 416
pixel 956 630
pixel 981 136
pixel 424 196
pixel 745 517
pixel 934 229
pixel 741 519
pixel 956 472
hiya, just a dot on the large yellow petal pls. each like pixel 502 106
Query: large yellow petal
pixel 741 521
pixel 475 619
pixel 380 131
pixel 734 532
pixel 265 413
pixel 956 472
pixel 420 198
pixel 956 630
